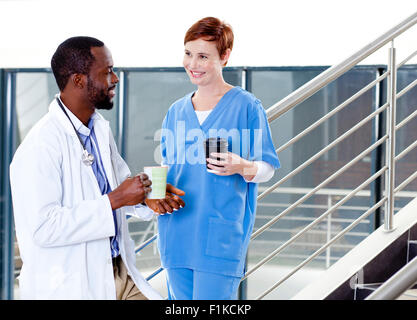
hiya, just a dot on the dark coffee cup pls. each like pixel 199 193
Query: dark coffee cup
pixel 218 145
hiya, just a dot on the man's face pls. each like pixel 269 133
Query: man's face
pixel 101 81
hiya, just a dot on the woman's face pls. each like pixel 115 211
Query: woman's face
pixel 202 62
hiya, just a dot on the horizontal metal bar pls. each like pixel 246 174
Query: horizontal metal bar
pixel 324 150
pixel 324 247
pixel 304 206
pixel 406 120
pixel 314 232
pixel 331 192
pixel 324 192
pixel 310 244
pixel 318 220
pixel 370 286
pixel 397 284
pixel 406 182
pixel 334 220
pixel 155 273
pixel 322 184
pixel 304 256
pixel 333 112
pixel 146 243
pixel 314 85
pixel 407 59
pixel 406 89
pixel 138 233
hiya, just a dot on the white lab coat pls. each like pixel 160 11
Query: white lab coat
pixel 63 222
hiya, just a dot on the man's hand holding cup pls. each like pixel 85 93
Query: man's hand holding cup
pixel 164 197
pixel 130 192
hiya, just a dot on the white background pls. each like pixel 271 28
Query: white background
pixel 150 33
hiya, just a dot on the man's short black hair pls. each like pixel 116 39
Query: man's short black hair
pixel 73 56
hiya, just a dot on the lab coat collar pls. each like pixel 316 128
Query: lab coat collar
pixel 55 109
pixel 101 129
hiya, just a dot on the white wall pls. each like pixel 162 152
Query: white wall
pixel 150 33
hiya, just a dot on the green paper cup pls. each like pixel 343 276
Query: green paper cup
pixel 158 176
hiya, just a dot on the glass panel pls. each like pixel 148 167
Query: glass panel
pixel 406 135
pixel 272 85
pixel 34 93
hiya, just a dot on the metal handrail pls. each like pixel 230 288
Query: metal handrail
pixel 314 85
pixel 401 281
pixel 146 243
pixel 316 221
pixel 333 112
pixel 324 150
pixel 322 184
pixel 325 246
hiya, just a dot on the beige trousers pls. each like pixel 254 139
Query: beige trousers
pixel 125 287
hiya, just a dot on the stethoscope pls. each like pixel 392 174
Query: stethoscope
pixel 87 158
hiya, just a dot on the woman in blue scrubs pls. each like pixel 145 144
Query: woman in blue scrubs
pixel 203 246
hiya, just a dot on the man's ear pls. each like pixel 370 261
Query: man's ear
pixel 78 80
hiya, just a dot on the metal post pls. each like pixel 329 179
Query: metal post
pixel 390 151
pixel 329 230
pixel 8 142
pixel 377 158
pixel 122 112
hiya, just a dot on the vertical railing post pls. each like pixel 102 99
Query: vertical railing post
pixel 329 230
pixel 390 150
pixel 122 112
pixel 6 223
pixel 377 158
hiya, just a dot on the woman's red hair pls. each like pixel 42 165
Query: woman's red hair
pixel 212 29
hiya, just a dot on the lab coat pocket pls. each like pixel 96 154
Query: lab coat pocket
pixel 224 239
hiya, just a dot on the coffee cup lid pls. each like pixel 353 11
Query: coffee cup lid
pixel 216 140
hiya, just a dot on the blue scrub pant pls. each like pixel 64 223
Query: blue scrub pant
pixel 188 284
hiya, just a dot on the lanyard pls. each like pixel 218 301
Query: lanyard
pixel 87 158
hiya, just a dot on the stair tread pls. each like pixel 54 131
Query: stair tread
pixel 408 295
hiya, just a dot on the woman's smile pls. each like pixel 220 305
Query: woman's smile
pixel 197 74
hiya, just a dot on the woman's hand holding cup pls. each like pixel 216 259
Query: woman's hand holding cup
pixel 170 203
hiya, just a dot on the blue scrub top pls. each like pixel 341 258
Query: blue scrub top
pixel 211 233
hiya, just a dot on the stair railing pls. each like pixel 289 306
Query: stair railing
pixel 304 92
pixel 401 281
pixel 307 90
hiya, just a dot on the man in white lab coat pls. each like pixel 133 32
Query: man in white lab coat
pixel 71 190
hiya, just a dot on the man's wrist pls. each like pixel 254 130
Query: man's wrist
pixel 115 200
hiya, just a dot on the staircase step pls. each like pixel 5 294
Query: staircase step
pixel 410 294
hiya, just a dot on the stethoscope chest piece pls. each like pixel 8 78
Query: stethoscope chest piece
pixel 87 158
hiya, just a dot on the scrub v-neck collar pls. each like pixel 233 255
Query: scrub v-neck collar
pixel 217 110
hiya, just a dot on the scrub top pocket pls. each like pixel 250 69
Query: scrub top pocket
pixel 224 239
